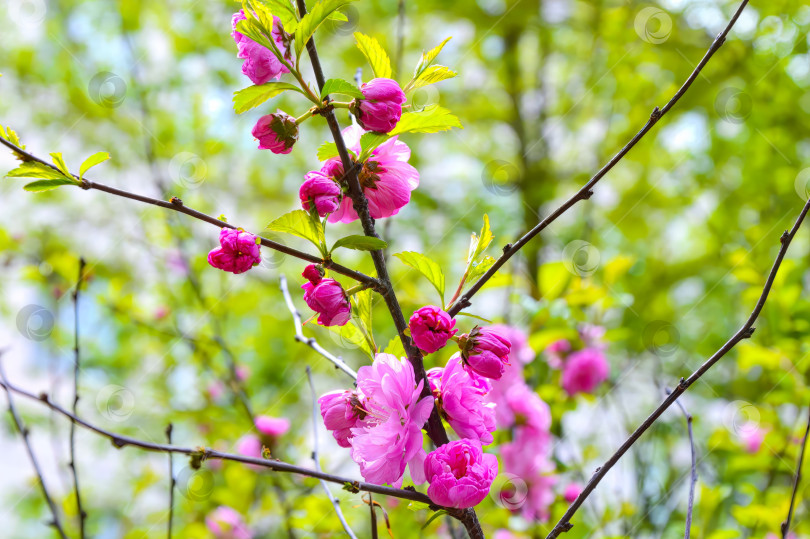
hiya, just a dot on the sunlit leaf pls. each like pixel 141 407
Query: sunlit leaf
pixel 375 54
pixel 93 160
pixel 253 96
pixel 340 86
pixel 430 120
pixel 46 185
pixel 360 243
pixel 312 20
pixel 299 223
pixel 426 267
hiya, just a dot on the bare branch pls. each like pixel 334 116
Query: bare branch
pixel 797 477
pixel 172 480
pixel 694 475
pixel 76 368
pixel 310 341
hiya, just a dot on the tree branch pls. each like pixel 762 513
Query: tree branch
pixel 310 341
pixel 172 480
pixel 587 190
pixel 76 368
pixel 785 528
pixel 177 205
pixel 744 332
pixel 694 475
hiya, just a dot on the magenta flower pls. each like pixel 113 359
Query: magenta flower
pixel 556 352
pixel 431 328
pixel 326 297
pixel 520 352
pixel 341 410
pixel 320 190
pixel 382 107
pixel 460 474
pixel 584 370
pixel 238 251
pixel 260 63
pixel 225 523
pixel 276 132
pixel 526 456
pixel 389 437
pixel 572 492
pixel 461 401
pixel 386 178
pixel 485 351
pixel 524 408
pixel 272 426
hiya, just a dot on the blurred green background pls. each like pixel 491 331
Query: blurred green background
pixel 674 248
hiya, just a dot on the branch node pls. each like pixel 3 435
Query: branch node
pixel 785 237
pixel 656 114
pixel 749 332
pixel 176 201
pixel 507 247
pixel 682 383
pixel 587 194
pixel 118 442
pixel 43 397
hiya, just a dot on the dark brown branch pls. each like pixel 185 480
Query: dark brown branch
pixel 694 475
pixel 76 368
pixel 177 205
pixel 201 453
pixel 587 190
pixel 797 477
pixel 172 481
pixel 744 332
pixel 30 450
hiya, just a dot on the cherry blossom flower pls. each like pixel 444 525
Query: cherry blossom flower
pixel 381 108
pixel 238 251
pixel 460 474
pixel 276 132
pixel 584 371
pixel 226 523
pixel 260 64
pixel 431 328
pixel 485 351
pixel 326 297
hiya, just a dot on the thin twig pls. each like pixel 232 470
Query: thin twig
pixel 24 433
pixel 177 205
pixel 202 453
pixel 587 190
pixel 694 474
pixel 373 516
pixel 744 332
pixel 76 368
pixel 172 480
pixel 797 477
pixel 310 341
pixel 332 498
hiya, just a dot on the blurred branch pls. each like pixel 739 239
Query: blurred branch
pixel 744 332
pixel 172 481
pixel 76 368
pixel 310 341
pixel 177 205
pixel 200 454
pixel 586 191
pixel 335 501
pixel 785 528
pixel 694 475
pixel 24 433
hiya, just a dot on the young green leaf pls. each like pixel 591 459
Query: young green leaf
pixel 375 54
pixel 395 348
pixel 426 267
pixel 477 269
pixel 34 169
pixel 431 120
pixel 46 185
pixel 93 160
pixel 9 134
pixel 432 75
pixel 284 10
pixel 312 20
pixel 424 62
pixel 253 96
pixel 350 336
pixel 60 164
pixel 299 223
pixel 369 141
pixel 479 242
pixel 327 150
pixel 360 243
pixel 434 516
pixel 340 86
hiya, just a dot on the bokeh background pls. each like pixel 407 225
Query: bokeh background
pixel 669 255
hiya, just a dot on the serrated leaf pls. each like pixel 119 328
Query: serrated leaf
pixel 340 86
pixel 327 150
pixel 360 243
pixel 253 96
pixel 60 163
pixel 375 54
pixel 46 185
pixel 311 21
pixel 9 134
pixel 299 223
pixel 479 242
pixel 395 348
pixel 284 10
pixel 424 62
pixel 93 160
pixel 369 142
pixel 337 16
pixel 351 336
pixel 432 75
pixel 426 267
pixel 363 302
pixel 480 268
pixel 431 120
pixel 34 169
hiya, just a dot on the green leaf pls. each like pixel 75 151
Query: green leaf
pixel 312 20
pixel 299 223
pixel 350 336
pixel 431 120
pixel 369 141
pixel 284 10
pixel 479 242
pixel 426 267
pixel 477 269
pixel 363 302
pixel 476 317
pixel 9 134
pixel 327 150
pixel 432 75
pixel 424 62
pixel 360 243
pixel 395 348
pixel 340 86
pixel 34 169
pixel 433 517
pixel 60 164
pixel 93 160
pixel 337 16
pixel 375 54
pixel 46 185
pixel 253 96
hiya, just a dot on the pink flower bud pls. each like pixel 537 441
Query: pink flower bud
pixel 313 273
pixel 237 251
pixel 341 412
pixel 225 523
pixel 382 107
pixel 572 491
pixel 431 328
pixel 321 190
pixel 272 426
pixel 584 371
pixel 460 474
pixel 485 351
pixel 261 64
pixel 276 132
pixel 327 298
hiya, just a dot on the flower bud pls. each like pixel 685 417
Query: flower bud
pixel 320 190
pixel 431 328
pixel 381 108
pixel 238 251
pixel 485 351
pixel 276 132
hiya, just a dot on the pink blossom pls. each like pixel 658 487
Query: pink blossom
pixel 382 107
pixel 460 474
pixel 520 352
pixel 216 389
pixel 523 407
pixel 462 402
pixel 485 351
pixel 341 410
pixel 320 190
pixel 503 534
pixel 276 132
pixel 389 437
pixel 556 353
pixel 272 426
pixel 386 178
pixel 249 446
pixel 225 523
pixel 526 457
pixel 752 437
pixel 431 328
pixel 572 492
pixel 584 371
pixel 326 297
pixel 260 63
pixel 238 251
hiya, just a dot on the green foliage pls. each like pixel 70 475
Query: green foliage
pixel 340 86
pixel 253 96
pixel 310 22
pixel 426 267
pixel 375 54
pixel 300 223
pixel 95 159
pixel 360 243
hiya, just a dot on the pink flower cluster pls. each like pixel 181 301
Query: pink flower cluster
pixel 260 64
pixel 238 251
pixel 584 369
pixel 226 523
pixel 326 297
